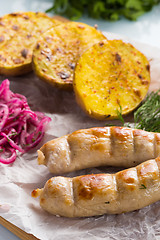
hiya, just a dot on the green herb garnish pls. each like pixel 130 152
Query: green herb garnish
pixel 142 186
pixel 1 150
pixel 102 9
pixel 119 114
pixel 15 119
pixel 13 134
pixel 146 117
pixel 27 144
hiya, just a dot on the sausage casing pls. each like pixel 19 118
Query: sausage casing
pixel 99 194
pixel 100 146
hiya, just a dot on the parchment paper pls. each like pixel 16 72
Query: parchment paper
pixel 17 180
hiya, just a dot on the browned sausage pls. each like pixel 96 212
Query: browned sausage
pixel 111 146
pixel 98 194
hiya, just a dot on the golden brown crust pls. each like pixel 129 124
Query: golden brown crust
pixel 98 194
pixel 58 50
pixel 99 146
pixel 144 134
pixel 120 133
pixel 18 35
pixel 108 75
pixel 90 185
pixel 36 193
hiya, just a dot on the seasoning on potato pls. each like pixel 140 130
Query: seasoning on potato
pixel 111 75
pixel 18 35
pixel 57 52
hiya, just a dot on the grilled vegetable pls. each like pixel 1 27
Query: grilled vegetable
pixel 98 194
pixel 58 50
pixel 18 35
pixel 108 75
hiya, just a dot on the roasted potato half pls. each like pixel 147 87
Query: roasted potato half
pixel 18 35
pixel 57 52
pixel 109 76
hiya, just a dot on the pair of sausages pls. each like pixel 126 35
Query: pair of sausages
pixel 98 194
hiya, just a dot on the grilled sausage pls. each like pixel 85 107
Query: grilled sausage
pixel 110 146
pixel 99 194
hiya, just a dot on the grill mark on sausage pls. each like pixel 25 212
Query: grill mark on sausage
pixel 154 145
pixel 133 142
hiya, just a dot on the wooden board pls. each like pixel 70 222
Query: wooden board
pixel 17 231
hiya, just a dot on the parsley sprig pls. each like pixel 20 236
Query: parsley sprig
pixel 102 9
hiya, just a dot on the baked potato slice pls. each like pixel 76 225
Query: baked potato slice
pixel 18 35
pixel 109 75
pixel 57 51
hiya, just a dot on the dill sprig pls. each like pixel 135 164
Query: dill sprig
pixel 147 116
pixel 119 114
pixel 143 186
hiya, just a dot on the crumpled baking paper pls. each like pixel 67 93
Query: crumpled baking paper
pixel 17 180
